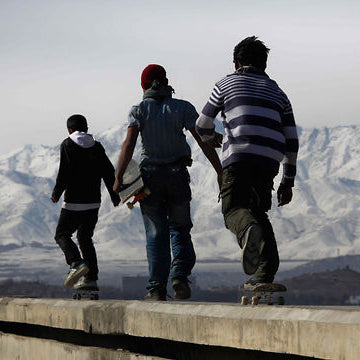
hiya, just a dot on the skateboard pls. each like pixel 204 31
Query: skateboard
pixel 89 293
pixel 133 185
pixel 264 293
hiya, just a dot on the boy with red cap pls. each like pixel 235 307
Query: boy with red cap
pixel 160 120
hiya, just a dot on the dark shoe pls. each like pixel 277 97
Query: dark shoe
pixel 251 243
pixel 181 288
pixel 156 294
pixel 75 273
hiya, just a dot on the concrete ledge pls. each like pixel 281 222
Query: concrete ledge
pixel 321 332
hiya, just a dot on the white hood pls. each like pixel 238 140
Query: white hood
pixel 82 139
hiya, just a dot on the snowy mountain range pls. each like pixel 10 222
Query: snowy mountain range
pixel 322 221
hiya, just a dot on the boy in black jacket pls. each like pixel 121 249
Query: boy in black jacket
pixel 83 163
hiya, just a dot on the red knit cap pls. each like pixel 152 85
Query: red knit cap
pixel 153 72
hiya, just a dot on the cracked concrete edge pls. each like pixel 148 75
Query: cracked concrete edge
pixel 323 332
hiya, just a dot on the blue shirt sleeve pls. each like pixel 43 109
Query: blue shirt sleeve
pixel 134 116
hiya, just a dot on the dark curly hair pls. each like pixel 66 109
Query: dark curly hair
pixel 251 51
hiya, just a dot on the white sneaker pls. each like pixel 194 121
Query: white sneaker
pixel 75 274
pixel 85 284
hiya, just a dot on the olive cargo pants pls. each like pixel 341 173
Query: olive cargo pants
pixel 246 197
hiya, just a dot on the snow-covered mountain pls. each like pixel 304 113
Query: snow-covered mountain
pixel 322 221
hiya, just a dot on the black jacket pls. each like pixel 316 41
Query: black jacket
pixel 80 173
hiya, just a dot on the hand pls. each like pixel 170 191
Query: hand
pixel 117 185
pixel 216 141
pixel 284 195
pixel 115 200
pixel 53 200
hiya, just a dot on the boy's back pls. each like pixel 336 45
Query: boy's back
pixel 161 124
pixel 83 163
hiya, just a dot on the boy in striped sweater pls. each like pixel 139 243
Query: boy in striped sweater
pixel 260 132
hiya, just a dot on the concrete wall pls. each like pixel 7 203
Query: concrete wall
pixel 320 332
pixel 15 347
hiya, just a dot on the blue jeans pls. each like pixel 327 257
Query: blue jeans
pixel 166 215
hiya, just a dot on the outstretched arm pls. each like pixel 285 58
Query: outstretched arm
pixel 210 152
pixel 126 154
pixel 62 176
pixel 108 175
pixel 284 193
pixel 206 136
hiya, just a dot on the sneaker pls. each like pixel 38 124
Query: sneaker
pixel 75 274
pixel 251 243
pixel 252 283
pixel 181 288
pixel 86 284
pixel 156 294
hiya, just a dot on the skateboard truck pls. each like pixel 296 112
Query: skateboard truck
pixel 263 297
pixel 264 293
pixel 145 192
pixel 90 294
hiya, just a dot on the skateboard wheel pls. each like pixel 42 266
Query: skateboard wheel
pixel 244 300
pixel 281 300
pixel 147 191
pixel 94 297
pixel 255 300
pixel 130 206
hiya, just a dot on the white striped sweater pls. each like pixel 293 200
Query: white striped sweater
pixel 258 121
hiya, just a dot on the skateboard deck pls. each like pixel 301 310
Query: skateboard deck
pixel 86 293
pixel 264 293
pixel 133 185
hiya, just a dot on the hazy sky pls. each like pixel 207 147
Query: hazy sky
pixel 60 57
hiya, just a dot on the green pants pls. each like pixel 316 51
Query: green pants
pixel 246 197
